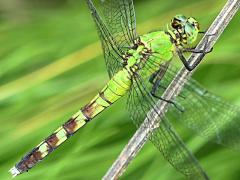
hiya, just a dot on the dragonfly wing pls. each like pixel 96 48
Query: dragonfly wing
pixel 165 138
pixel 116 24
pixel 207 114
pixel 168 142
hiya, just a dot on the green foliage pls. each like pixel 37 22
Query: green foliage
pixel 51 65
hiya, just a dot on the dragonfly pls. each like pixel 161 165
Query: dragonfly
pixel 141 67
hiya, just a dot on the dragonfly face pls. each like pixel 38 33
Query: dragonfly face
pixel 185 29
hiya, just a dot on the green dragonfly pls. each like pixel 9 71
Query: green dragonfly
pixel 141 68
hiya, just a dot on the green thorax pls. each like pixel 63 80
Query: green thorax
pixel 155 45
pixel 160 44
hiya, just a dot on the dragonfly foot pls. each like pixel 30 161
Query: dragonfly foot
pixel 193 50
pixel 175 104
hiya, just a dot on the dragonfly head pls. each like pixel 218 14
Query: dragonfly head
pixel 185 29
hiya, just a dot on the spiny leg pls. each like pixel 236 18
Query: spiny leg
pixel 155 80
pixel 193 50
pixel 156 77
pixel 153 93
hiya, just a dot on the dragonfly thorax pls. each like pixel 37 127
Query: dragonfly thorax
pixel 160 45
pixel 136 56
pixel 155 45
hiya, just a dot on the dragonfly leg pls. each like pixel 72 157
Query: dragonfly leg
pixel 203 52
pixel 153 77
pixel 193 50
pixel 159 85
pixel 155 80
pixel 175 104
pixel 157 76
pixel 185 62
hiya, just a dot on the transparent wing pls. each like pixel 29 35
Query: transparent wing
pixel 116 24
pixel 205 113
pixel 165 138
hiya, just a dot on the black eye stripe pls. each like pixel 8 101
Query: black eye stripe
pixel 176 23
pixel 176 20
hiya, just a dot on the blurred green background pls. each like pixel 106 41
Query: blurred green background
pixel 51 64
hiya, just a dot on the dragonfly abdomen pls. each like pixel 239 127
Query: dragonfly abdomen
pixel 115 89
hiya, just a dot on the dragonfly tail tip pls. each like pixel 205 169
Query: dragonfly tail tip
pixel 14 171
